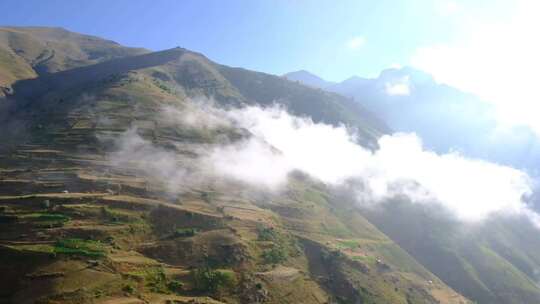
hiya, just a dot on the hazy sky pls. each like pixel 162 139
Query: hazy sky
pixel 487 47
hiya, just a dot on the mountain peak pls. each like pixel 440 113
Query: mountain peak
pixel 302 73
pixel 415 75
pixel 308 79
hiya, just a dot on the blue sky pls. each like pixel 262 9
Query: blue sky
pixel 486 47
pixel 334 39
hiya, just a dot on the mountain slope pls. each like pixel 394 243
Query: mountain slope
pixel 490 262
pixel 26 52
pixel 190 74
pixel 321 106
pixel 89 213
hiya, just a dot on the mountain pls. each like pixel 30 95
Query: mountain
pixel 108 194
pixel 308 78
pixel 446 119
pixel 193 71
pixel 90 212
pixel 351 84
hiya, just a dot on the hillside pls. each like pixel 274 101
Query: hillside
pixel 84 221
pixel 491 262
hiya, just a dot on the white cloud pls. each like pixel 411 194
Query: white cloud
pixel 497 61
pixel 471 188
pixel 398 87
pixel 159 164
pixel 253 161
pixel 281 143
pixel 447 8
pixel 302 144
pixel 356 43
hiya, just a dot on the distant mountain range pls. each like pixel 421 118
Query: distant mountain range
pixel 446 119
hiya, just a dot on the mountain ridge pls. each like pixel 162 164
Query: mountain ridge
pixel 308 78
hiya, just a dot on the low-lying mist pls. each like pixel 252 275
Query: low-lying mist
pixel 281 143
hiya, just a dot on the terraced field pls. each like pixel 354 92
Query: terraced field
pixel 76 229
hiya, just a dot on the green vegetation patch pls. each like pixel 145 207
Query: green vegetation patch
pixel 162 86
pixel 46 219
pixel 315 196
pixel 275 255
pixel 281 248
pixel 185 232
pixel 37 248
pixel 154 279
pixel 117 216
pixel 93 249
pixel 175 286
pixel 367 259
pixel 268 234
pixel 348 244
pixel 336 229
pixel 211 280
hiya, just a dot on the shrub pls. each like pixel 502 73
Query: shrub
pixel 275 255
pixel 210 280
pixel 266 233
pixel 128 289
pixel 175 286
pixel 154 279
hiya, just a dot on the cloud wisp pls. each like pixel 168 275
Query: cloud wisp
pixel 133 151
pixel 281 143
pixel 471 188
pixel 356 43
